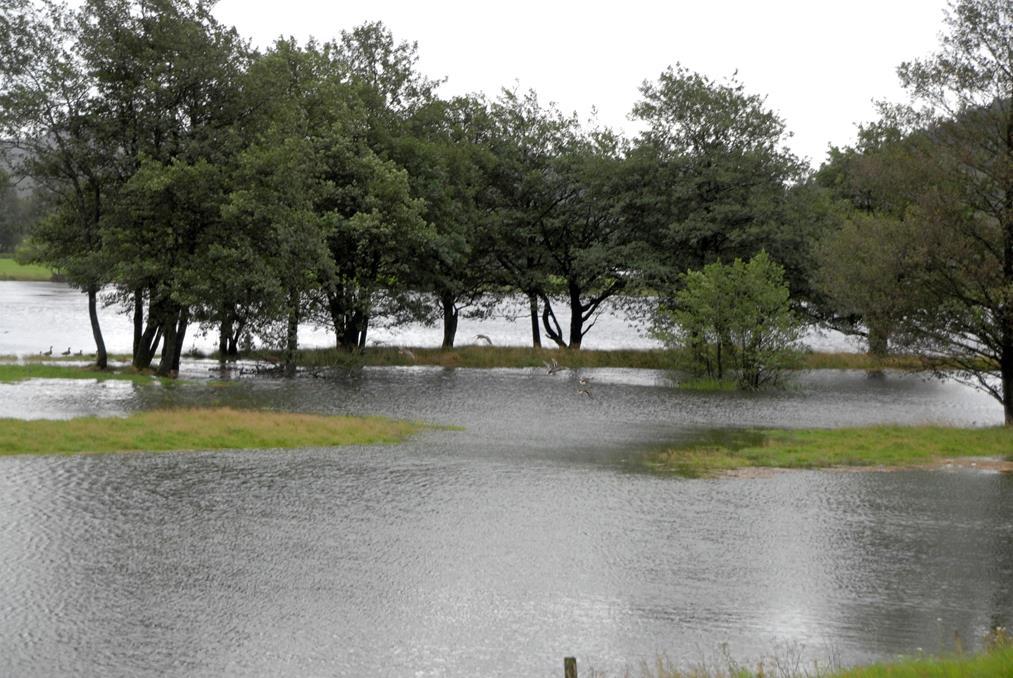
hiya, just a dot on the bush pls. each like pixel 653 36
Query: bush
pixel 734 321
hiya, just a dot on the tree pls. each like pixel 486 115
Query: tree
pixel 592 250
pixel 864 263
pixel 734 319
pixel 378 236
pixel 962 101
pixel 49 115
pixel 526 140
pixel 445 152
pixel 716 179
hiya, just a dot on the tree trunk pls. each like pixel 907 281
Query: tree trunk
pixel 184 322
pixel 233 344
pixel 169 345
pixel 224 337
pixel 151 336
pixel 1006 369
pixel 879 340
pixel 101 358
pixel 450 318
pixel 138 321
pixel 576 318
pixel 292 334
pixel 536 333
pixel 364 328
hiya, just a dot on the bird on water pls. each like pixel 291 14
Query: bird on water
pixel 551 366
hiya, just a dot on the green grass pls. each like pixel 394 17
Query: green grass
pixel 12 270
pixel 818 448
pixel 995 661
pixel 10 373
pixel 995 664
pixel 476 356
pixel 520 356
pixel 196 429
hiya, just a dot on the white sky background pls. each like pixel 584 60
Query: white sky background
pixel 820 63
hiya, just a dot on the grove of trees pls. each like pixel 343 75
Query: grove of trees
pixel 198 182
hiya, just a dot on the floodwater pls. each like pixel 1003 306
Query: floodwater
pixel 35 316
pixel 527 535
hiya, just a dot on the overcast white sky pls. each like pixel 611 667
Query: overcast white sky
pixel 819 62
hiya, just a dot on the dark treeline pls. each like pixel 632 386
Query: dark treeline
pixel 210 185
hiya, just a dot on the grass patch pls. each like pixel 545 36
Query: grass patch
pixel 196 429
pixel 12 270
pixel 707 385
pixel 522 356
pixel 10 373
pixel 819 448
pixel 994 664
pixel 475 356
pixel 995 661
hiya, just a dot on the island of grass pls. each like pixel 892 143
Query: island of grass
pixel 522 356
pixel 12 270
pixel 14 372
pixel 889 446
pixel 197 429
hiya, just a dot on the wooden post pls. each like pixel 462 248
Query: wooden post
pixel 569 667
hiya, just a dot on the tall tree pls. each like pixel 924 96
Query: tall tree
pixel 446 154
pixel 50 114
pixel 962 99
pixel 716 176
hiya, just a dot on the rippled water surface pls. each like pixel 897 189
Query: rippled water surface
pixel 527 535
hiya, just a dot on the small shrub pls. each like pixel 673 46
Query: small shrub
pixel 734 320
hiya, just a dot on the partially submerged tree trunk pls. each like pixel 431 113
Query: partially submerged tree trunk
pixel 175 332
pixel 101 358
pixel 184 322
pixel 292 333
pixel 450 318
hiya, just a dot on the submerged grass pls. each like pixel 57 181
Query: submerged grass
pixel 21 372
pixel 12 270
pixel 196 429
pixel 817 448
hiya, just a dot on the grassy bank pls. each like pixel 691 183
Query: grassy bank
pixel 995 663
pixel 519 356
pixel 12 270
pixel 474 356
pixel 21 372
pixel 817 448
pixel 196 429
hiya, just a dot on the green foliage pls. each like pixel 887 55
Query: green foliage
pixel 716 180
pixel 734 320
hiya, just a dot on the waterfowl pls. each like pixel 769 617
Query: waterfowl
pixel 551 367
pixel 67 352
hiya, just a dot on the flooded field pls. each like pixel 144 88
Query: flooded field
pixel 529 534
